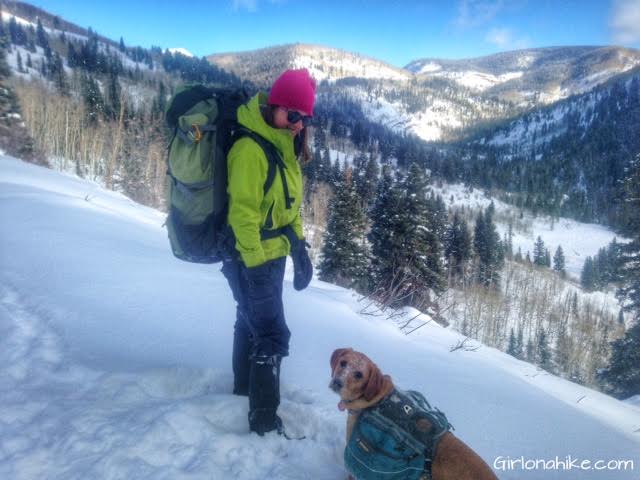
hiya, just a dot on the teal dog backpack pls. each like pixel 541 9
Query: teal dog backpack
pixel 396 439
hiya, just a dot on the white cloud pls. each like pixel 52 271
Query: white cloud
pixel 251 6
pixel 248 5
pixel 504 38
pixel 499 36
pixel 625 21
pixel 472 13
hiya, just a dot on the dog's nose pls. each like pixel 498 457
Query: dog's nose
pixel 336 385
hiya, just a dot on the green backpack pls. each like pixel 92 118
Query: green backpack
pixel 205 126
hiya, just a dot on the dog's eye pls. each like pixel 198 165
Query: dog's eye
pixel 343 363
pixel 358 375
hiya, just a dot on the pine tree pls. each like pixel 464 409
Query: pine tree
pixel 508 242
pixel 17 35
pixel 438 214
pixel 622 377
pixel 19 63
pixel 629 269
pixel 421 247
pixel 112 103
pixel 530 354
pixel 343 256
pixel 511 349
pixel 93 100
pixel 539 252
pixel 310 169
pixel 58 75
pixel 587 277
pixel 562 350
pixel 543 353
pixel 603 267
pixel 385 243
pixel 325 170
pixel 405 250
pixel 614 253
pixel 368 182
pixel 457 245
pixel 519 352
pixel 486 242
pixel 558 262
pixel 336 173
pixel 518 256
pixel 42 39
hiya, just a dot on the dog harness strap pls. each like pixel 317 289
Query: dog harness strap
pixel 428 464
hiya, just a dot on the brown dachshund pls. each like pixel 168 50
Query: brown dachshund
pixel 361 384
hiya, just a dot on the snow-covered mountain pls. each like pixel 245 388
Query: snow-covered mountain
pixel 324 63
pixel 440 99
pixel 181 51
pixel 535 76
pixel 115 362
pixel 610 102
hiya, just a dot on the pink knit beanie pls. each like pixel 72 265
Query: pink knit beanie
pixel 294 89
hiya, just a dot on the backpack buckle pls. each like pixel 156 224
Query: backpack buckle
pixel 197 133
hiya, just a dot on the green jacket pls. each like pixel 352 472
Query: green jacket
pixel 249 209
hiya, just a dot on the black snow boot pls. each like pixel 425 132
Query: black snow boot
pixel 264 395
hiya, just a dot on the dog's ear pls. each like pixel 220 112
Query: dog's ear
pixel 375 383
pixel 337 353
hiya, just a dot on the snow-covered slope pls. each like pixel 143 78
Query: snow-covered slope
pixel 323 63
pixel 534 76
pixel 115 361
pixel 578 240
pixel 181 51
pixel 607 103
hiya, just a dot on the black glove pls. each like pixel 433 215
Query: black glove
pixel 302 266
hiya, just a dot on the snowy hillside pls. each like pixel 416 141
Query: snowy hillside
pixel 116 361
pixel 578 240
pixel 534 77
pixel 579 112
pixel 323 63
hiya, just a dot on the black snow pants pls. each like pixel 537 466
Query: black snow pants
pixel 260 328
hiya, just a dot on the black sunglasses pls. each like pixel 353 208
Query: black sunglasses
pixel 295 117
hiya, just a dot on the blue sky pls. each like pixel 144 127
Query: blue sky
pixel 393 31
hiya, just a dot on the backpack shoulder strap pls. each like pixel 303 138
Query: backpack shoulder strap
pixel 273 158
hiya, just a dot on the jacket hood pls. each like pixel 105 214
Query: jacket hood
pixel 250 116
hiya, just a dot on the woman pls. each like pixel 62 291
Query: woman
pixel 267 227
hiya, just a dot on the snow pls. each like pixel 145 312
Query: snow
pixel 7 16
pixel 428 124
pixel 116 361
pixel 54 34
pixel 429 68
pixel 28 73
pixel 181 51
pixel 330 64
pixel 475 80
